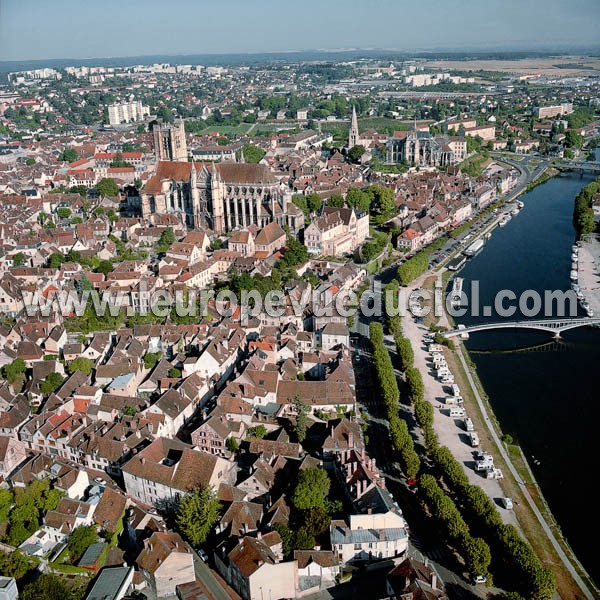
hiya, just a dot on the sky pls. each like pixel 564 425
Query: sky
pixel 45 29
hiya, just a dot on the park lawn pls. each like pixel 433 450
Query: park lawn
pixel 227 129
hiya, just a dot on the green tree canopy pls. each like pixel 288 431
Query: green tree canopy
pixel 107 187
pixel 197 514
pixel 312 489
pixel 68 155
pixel 52 382
pixel 252 154
pixel 301 424
pixel 85 365
pixel 47 586
pixel 81 539
pixel 355 153
pixel 336 201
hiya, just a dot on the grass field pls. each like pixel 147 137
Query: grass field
pixel 227 129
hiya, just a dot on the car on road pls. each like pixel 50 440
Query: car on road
pixel 479 579
pixel 202 554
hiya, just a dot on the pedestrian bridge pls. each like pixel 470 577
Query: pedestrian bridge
pixel 554 326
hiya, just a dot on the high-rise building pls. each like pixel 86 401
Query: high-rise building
pixel 169 141
pixel 126 112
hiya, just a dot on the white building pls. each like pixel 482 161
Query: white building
pixel 369 537
pixel 127 112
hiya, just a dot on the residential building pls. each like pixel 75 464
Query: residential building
pixel 166 562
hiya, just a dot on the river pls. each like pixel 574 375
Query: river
pixel 545 399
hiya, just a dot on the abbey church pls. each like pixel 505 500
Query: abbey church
pixel 218 196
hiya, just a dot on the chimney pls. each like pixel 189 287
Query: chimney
pixel 143 460
pixel 350 440
pixel 381 535
pixel 433 580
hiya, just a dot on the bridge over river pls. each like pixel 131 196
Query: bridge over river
pixel 554 326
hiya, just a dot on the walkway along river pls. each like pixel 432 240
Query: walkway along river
pixel 546 399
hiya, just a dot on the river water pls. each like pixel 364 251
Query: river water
pixel 546 399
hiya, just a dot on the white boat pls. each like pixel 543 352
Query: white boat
pixel 520 204
pixel 474 248
pixel 502 222
pixel 574 257
pixel 574 265
pixel 514 212
pixel 574 275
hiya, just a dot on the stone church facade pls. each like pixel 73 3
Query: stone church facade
pixel 219 196
pixel 422 149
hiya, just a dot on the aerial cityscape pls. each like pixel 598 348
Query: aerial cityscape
pixel 299 301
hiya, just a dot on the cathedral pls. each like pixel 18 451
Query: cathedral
pixel 219 196
pixel 422 149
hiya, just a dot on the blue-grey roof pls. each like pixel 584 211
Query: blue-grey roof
pixel 121 381
pixel 365 536
pixel 109 583
pixel 92 554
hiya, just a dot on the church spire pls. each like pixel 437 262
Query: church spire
pixel 353 136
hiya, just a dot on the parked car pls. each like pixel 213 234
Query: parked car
pixel 507 503
pixel 202 554
pixel 479 579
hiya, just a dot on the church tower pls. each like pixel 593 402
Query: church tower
pixel 353 136
pixel 169 141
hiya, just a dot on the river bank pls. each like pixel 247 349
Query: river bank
pixel 512 390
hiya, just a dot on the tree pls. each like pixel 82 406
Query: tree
pixel 56 260
pixel 107 187
pixel 355 153
pixel 252 154
pixel 105 267
pixel 52 382
pixel 383 204
pixel 477 555
pixel 359 199
pixel 312 489
pixel 167 239
pixel 573 139
pixel 316 520
pixel 30 162
pixel 47 586
pixel 301 419
pixel 197 514
pixel 6 500
pixel 150 359
pixel 15 564
pixel 81 539
pixel 314 202
pixel 18 259
pixel 287 538
pixel 68 155
pixel 63 212
pixel 336 201
pixel 303 540
pixel 14 371
pixel 259 432
pixel 232 445
pixel 85 365
pixel 174 373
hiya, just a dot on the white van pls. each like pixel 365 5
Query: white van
pixel 484 465
pixel 473 439
pixel 450 401
pixel 455 390
pixel 468 423
pixel 457 412
pixel 507 503
pixel 447 379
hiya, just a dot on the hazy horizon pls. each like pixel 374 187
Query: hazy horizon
pixel 67 30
